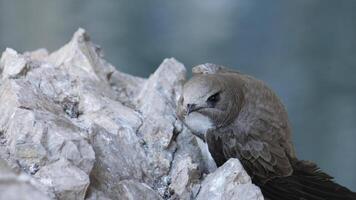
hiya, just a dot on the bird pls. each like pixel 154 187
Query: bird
pixel 239 116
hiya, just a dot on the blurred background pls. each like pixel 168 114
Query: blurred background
pixel 305 50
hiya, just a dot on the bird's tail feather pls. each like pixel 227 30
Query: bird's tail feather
pixel 307 182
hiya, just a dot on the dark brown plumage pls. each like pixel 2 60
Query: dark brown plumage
pixel 240 117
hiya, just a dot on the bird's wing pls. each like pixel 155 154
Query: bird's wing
pixel 209 68
pixel 260 151
pixel 306 182
pixel 269 168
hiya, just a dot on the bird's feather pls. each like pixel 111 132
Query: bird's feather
pixel 250 123
pixel 209 68
pixel 270 170
pixel 307 182
pixel 262 159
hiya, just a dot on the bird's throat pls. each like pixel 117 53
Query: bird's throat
pixel 198 123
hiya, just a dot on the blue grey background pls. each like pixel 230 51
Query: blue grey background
pixel 305 50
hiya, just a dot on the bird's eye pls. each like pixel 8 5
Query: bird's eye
pixel 213 99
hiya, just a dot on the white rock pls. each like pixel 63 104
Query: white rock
pixel 13 64
pixel 157 102
pixel 185 177
pixel 230 181
pixel 132 190
pixel 68 181
pixel 17 186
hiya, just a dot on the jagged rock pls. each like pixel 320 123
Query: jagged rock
pixel 119 156
pixel 17 186
pixel 230 181
pixel 94 194
pixel 185 177
pixel 13 64
pixel 68 181
pixel 159 95
pixel 132 190
pixel 80 129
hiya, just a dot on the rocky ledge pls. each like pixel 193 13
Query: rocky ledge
pixel 73 127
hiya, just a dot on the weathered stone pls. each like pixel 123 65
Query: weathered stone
pixel 17 186
pixel 230 181
pixel 119 156
pixel 94 194
pixel 13 64
pixel 82 58
pixel 159 95
pixel 132 190
pixel 126 87
pixel 36 130
pixel 184 177
pixel 68 181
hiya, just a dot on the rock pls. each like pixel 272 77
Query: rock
pixel 94 194
pixel 126 87
pixel 159 95
pixel 82 58
pixel 13 64
pixel 132 190
pixel 68 181
pixel 230 181
pixel 185 177
pixel 79 129
pixel 119 156
pixel 17 186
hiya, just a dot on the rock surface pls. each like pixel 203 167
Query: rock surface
pixel 14 186
pixel 230 181
pixel 76 128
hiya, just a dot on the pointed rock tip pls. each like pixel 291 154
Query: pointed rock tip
pixel 172 63
pixel 81 35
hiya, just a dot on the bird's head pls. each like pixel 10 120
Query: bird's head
pixel 209 101
pixel 203 93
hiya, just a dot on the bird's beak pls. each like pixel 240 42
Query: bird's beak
pixel 191 108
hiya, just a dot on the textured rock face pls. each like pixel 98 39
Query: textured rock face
pixel 14 186
pixel 77 128
pixel 230 181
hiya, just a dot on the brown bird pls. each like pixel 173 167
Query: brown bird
pixel 240 117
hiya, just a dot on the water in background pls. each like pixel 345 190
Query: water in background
pixel 305 50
